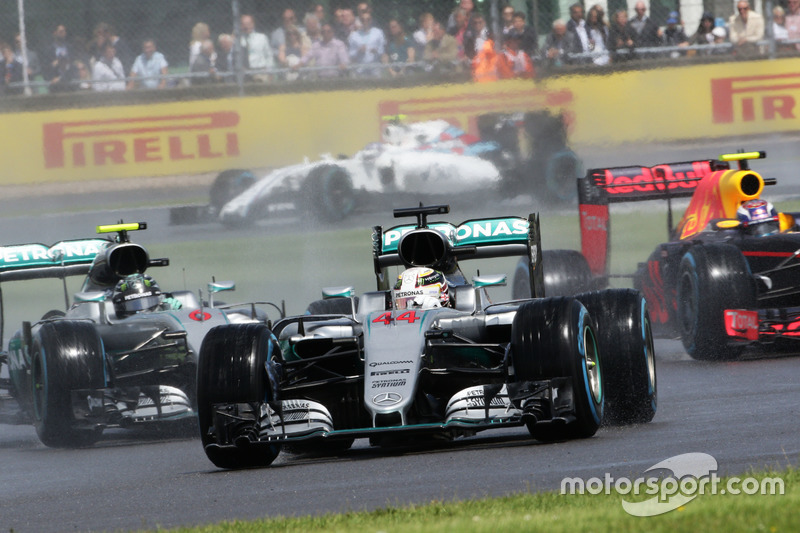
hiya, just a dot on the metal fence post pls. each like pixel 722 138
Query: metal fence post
pixel 23 42
pixel 237 46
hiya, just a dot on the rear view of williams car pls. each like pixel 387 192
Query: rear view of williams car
pixel 398 364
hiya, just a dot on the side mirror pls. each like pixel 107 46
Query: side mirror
pixel 724 224
pixel 493 280
pixel 90 296
pixel 221 286
pixel 338 292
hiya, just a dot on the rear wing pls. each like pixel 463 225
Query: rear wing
pixel 604 186
pixel 441 245
pixel 22 262
pixel 37 261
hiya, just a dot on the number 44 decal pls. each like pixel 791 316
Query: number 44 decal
pixel 408 316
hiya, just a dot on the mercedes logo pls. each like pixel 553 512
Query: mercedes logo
pixel 387 398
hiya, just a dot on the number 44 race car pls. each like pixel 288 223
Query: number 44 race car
pixel 110 361
pixel 727 277
pixel 382 368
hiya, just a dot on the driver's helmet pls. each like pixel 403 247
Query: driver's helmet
pixel 136 293
pixel 758 217
pixel 422 288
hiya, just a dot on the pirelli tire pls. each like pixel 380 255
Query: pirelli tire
pixel 228 185
pixel 332 306
pixel 66 357
pixel 561 174
pixel 233 371
pixel 712 277
pixel 625 338
pixel 330 193
pixel 566 273
pixel 555 338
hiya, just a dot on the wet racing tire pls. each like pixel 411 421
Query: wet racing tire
pixel 332 306
pixel 625 339
pixel 330 193
pixel 555 338
pixel 561 175
pixel 712 278
pixel 228 185
pixel 566 273
pixel 232 374
pixel 66 356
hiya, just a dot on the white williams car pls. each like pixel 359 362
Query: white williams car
pixel 416 162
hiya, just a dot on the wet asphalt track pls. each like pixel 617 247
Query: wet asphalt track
pixel 745 414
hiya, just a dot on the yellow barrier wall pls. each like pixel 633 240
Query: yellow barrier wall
pixel 702 101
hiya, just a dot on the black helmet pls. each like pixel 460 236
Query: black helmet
pixel 136 293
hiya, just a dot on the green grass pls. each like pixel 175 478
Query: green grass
pixel 553 512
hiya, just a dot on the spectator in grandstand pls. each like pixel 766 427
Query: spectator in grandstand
pixel 399 49
pixel 226 57
pixel 558 44
pixel 58 55
pixel 459 31
pixel 292 51
pixel 204 63
pixel 673 34
pixel 424 32
pixel 703 34
pixel 779 30
pixel 104 33
pixel 329 52
pixel 11 71
pixel 621 37
pixel 792 19
pixel 200 33
pixel 34 66
pixel 147 67
pixel 108 74
pixel 278 37
pixel 720 37
pixel 441 50
pixel 312 29
pixel 318 10
pixel 513 62
pixel 577 25
pixel 259 51
pixel 597 30
pixel 361 8
pixel 477 36
pixel 507 19
pixel 366 45
pixel 745 27
pixel 345 24
pixel 467 7
pixel 646 32
pixel 529 41
pixel 485 62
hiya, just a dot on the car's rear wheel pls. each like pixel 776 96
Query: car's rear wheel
pixel 228 185
pixel 566 273
pixel 332 306
pixel 232 374
pixel 65 356
pixel 555 338
pixel 330 193
pixel 712 278
pixel 626 344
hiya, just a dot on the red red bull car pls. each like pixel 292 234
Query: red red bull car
pixel 727 277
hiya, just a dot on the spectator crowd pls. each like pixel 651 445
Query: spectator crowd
pixel 351 42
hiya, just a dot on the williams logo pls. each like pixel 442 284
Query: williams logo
pixel 122 141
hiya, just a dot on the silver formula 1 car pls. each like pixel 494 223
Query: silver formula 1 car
pixel 367 368
pixel 523 153
pixel 75 373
